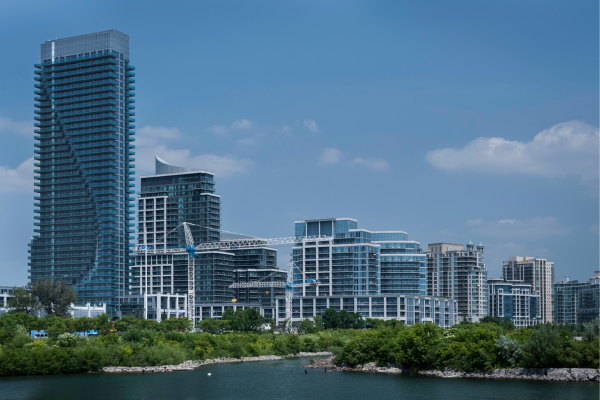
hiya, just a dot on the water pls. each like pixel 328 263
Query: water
pixel 285 380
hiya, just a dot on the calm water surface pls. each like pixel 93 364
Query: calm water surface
pixel 285 380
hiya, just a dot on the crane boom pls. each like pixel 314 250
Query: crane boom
pixel 191 249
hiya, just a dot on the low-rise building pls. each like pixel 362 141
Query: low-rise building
pixel 408 309
pixel 515 300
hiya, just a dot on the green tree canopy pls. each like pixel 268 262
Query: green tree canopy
pixel 23 301
pixel 212 325
pixel 331 319
pixel 55 296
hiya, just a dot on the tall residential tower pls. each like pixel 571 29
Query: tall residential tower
pixel 459 273
pixel 83 165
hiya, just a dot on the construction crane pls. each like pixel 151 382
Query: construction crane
pixel 289 285
pixel 191 248
pixel 191 251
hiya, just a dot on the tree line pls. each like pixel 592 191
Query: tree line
pixel 490 344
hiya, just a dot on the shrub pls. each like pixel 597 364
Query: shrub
pixel 143 336
pixel 236 350
pixel 280 347
pixel 67 340
pixel 293 343
pixel 510 350
pixel 309 345
pixel 108 339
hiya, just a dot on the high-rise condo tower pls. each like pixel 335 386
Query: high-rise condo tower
pixel 84 174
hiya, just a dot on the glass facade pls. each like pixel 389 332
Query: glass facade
pixel 576 302
pixel 351 261
pixel 84 171
pixel 514 300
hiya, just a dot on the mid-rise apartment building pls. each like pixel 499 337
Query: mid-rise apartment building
pixel 515 300
pixel 539 273
pixel 168 198
pixel 84 172
pixel 576 302
pixel 457 273
pixel 349 261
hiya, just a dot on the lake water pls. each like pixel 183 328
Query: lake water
pixel 284 379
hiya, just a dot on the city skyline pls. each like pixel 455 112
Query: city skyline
pixel 399 142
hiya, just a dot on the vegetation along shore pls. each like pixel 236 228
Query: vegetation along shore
pixel 463 350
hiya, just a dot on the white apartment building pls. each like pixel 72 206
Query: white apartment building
pixel 454 272
pixel 539 273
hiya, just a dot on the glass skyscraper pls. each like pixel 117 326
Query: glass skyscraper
pixel 84 171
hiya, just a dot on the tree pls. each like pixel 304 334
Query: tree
pixel 102 323
pixel 318 322
pixel 212 325
pixel 306 326
pixel 357 320
pixel 543 347
pixel 56 325
pixel 590 330
pixel 331 319
pixel 414 346
pixel 346 320
pixel 253 320
pixel 23 300
pixel 228 314
pixel 176 324
pixel 83 324
pixel 55 296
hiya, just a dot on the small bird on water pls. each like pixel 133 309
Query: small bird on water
pixel 305 371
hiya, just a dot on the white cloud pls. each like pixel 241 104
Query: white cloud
pixel 371 163
pixel 566 149
pixel 18 180
pixel 247 141
pixel 241 124
pixel 8 126
pixel 495 254
pixel 222 166
pixel 286 129
pixel 529 229
pixel 154 135
pixel 218 130
pixel 473 222
pixel 150 141
pixel 330 156
pixel 595 229
pixel 311 125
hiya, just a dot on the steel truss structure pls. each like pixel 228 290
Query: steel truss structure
pixel 191 249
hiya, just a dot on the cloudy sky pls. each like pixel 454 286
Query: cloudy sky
pixel 452 121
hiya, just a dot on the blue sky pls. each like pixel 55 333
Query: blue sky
pixel 452 121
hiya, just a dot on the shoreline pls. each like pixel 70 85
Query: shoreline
pixel 190 365
pixel 537 374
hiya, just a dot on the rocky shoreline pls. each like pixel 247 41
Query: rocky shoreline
pixel 538 374
pixel 191 365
